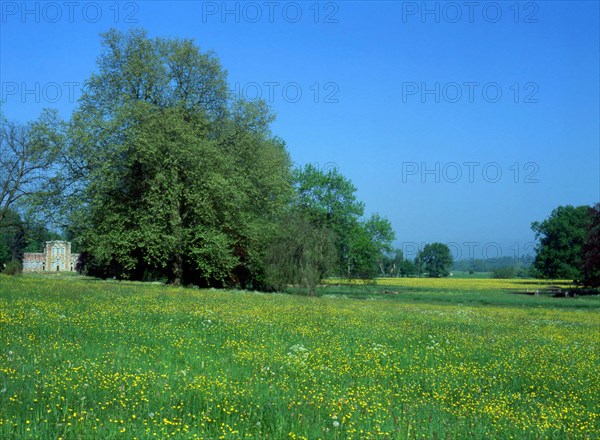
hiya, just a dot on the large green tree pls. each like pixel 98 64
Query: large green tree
pixel 166 178
pixel 327 199
pixel 435 260
pixel 561 237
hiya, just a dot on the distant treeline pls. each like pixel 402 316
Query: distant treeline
pixel 502 267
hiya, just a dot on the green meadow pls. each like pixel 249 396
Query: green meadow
pixel 84 358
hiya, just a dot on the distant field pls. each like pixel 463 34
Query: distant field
pixel 458 291
pixel 405 358
pixel 458 284
pixel 464 274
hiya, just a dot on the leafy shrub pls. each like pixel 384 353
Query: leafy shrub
pixel 12 268
pixel 504 272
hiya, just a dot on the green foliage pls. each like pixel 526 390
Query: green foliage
pixel 361 254
pixel 591 250
pixel 13 267
pixel 390 263
pixel 381 234
pixel 164 176
pixel 36 234
pixel 435 260
pixel 5 255
pixel 521 263
pixel 367 242
pixel 168 178
pixel 180 205
pixel 162 72
pixel 19 235
pixel 328 200
pixel 504 272
pixel 302 253
pixel 407 268
pixel 561 238
pixel 12 231
pixel 323 234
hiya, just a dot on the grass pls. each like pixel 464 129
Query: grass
pixel 498 292
pixel 83 358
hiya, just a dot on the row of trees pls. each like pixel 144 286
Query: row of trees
pixel 434 260
pixel 520 265
pixel 159 174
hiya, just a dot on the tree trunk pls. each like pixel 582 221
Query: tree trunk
pixel 177 269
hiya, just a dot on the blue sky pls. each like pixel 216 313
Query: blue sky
pixel 460 125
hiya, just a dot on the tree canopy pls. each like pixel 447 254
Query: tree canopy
pixel 435 260
pixel 166 178
pixel 561 237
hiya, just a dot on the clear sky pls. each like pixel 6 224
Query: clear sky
pixel 462 122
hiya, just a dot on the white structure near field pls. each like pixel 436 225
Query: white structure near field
pixel 56 257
